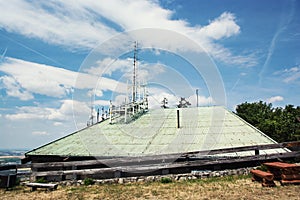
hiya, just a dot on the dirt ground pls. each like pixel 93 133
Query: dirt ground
pixel 212 188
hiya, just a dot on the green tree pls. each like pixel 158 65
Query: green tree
pixel 281 124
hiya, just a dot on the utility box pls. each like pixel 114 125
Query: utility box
pixel 8 181
pixel 8 176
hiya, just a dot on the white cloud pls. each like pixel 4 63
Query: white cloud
pixel 293 69
pixel 108 66
pixel 27 78
pixel 14 89
pixel 95 92
pixel 40 133
pixel 155 99
pixel 202 100
pixel 59 26
pixel 86 23
pixel 275 99
pixel 292 74
pixel 101 103
pixel 57 123
pixel 39 78
pixel 65 112
pixel 223 26
pixel 292 78
pixel 289 75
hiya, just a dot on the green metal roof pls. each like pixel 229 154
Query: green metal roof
pixel 156 132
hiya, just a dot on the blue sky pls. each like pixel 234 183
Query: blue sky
pixel 54 59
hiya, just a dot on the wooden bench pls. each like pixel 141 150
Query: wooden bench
pixel 49 186
pixel 261 176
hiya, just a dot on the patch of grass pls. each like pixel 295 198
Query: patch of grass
pixel 230 179
pixel 88 181
pixel 166 180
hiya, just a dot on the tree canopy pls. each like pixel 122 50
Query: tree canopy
pixel 281 124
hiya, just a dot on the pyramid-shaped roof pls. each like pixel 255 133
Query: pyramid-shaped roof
pixel 157 132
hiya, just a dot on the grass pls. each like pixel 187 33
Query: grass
pixel 229 187
pixel 166 180
pixel 88 181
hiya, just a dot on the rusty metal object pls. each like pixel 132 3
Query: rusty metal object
pixel 286 173
pixel 265 177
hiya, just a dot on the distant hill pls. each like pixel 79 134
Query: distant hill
pixel 11 156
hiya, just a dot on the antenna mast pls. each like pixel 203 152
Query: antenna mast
pixel 92 110
pixel 134 72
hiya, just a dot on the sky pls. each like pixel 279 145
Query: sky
pixel 60 58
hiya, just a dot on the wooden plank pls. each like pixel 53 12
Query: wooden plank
pixel 290 176
pixel 280 165
pixel 162 166
pixel 194 153
pixel 22 166
pixel 166 158
pixel 8 167
pixel 140 161
pixel 286 182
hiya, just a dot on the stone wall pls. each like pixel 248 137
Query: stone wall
pixel 174 177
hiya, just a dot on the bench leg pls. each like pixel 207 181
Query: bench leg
pixel 33 189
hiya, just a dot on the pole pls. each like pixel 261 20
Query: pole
pixel 134 73
pixel 197 96
pixel 178 122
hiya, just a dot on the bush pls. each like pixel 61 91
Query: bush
pixel 88 181
pixel 166 180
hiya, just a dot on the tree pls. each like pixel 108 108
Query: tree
pixel 164 103
pixel 281 124
pixel 183 103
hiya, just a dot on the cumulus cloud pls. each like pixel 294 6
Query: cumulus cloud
pixel 223 26
pixel 99 21
pixel 109 65
pixel 54 22
pixel 25 78
pixel 14 89
pixel 65 112
pixel 275 99
pixel 202 100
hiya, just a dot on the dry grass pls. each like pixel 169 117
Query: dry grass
pixel 212 188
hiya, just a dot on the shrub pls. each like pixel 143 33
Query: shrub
pixel 88 181
pixel 165 180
